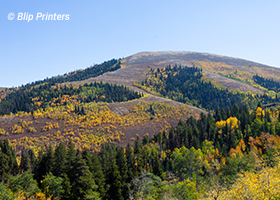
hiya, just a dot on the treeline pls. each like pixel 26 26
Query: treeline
pixel 80 75
pixel 187 85
pixel 189 156
pixel 29 100
pixel 267 83
pixel 225 129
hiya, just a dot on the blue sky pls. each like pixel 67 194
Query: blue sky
pixel 101 30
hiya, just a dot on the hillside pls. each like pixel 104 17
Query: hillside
pixel 127 72
pixel 135 66
pixel 154 125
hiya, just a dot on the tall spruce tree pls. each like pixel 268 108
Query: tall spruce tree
pixel 138 156
pixel 83 185
pixel 113 179
pixel 98 176
pixel 25 161
pixel 60 160
pixel 71 157
pixel 121 162
pixel 130 162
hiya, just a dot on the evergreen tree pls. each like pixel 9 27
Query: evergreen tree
pixel 60 160
pixel 66 186
pixel 171 139
pixel 24 182
pixel 49 162
pixel 83 185
pixel 113 178
pixel 45 164
pixel 32 159
pixel 121 162
pixel 52 186
pixel 145 140
pixel 130 163
pixel 4 168
pixel 138 156
pixel 87 158
pixel 218 116
pixel 71 157
pixel 25 161
pixel 98 176
pixel 6 193
pixel 157 169
pixel 9 160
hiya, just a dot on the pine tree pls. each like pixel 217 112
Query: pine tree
pixel 66 185
pixel 98 176
pixel 121 162
pixel 218 116
pixel 157 169
pixel 49 160
pixel 60 162
pixel 96 169
pixel 24 182
pixel 6 193
pixel 171 139
pixel 145 140
pixel 83 112
pixel 45 164
pixel 71 157
pixel 87 157
pixel 130 163
pixel 113 179
pixel 52 186
pixel 83 185
pixel 164 141
pixel 138 156
pixel 32 158
pixel 10 157
pixel 25 161
pixel 4 168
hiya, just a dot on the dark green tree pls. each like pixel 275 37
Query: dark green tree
pixel 138 156
pixel 52 186
pixel 121 163
pixel 24 182
pixel 98 176
pixel 113 180
pixel 60 160
pixel 25 164
pixel 83 185
pixel 130 162
pixel 6 193
pixel 66 186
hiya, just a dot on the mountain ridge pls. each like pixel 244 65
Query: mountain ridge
pixel 204 55
pixel 135 67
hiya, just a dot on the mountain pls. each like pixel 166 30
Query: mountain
pixel 223 73
pixel 166 125
pixel 135 66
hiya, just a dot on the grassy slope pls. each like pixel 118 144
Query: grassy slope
pixel 134 69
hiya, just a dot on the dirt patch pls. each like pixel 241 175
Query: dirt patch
pixel 151 128
pixel 232 84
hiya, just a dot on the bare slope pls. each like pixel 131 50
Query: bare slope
pixel 136 66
